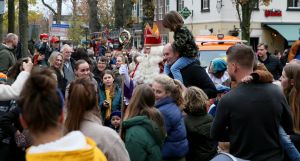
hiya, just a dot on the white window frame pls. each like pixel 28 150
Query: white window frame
pixel 167 6
pixel 294 5
pixel 205 4
pixel 180 5
pixel 160 9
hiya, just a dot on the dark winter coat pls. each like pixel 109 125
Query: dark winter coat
pixel 44 49
pixel 98 75
pixel 61 81
pixel 201 146
pixel 7 58
pixel 251 114
pixel 195 75
pixel 176 143
pixel 9 124
pixel 143 139
pixel 273 65
pixel 184 42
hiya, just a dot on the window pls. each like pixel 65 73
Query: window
pixel 167 6
pixel 155 14
pixel 180 5
pixel 134 10
pixel 160 9
pixel 141 10
pixel 204 5
pixel 293 4
pixel 256 5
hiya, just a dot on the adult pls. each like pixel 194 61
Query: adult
pixel 7 57
pixel 83 115
pixel 143 126
pixel 291 87
pixel 294 52
pixel 42 114
pixel 168 100
pixel 110 96
pixel 69 63
pixel 54 44
pixel 193 74
pixel 149 66
pixel 270 61
pixel 217 72
pixel 120 59
pixel 244 112
pixel 12 92
pixel 81 70
pixel 98 72
pixel 56 64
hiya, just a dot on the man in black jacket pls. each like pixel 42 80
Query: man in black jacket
pixel 272 63
pixel 193 74
pixel 251 113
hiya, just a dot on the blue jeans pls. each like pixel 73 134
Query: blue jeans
pixel 288 146
pixel 180 63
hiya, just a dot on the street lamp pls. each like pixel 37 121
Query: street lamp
pixel 86 29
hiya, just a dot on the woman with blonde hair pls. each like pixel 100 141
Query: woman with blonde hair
pixel 168 100
pixel 83 115
pixel 42 114
pixel 143 126
pixel 56 64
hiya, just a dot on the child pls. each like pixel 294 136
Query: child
pixel 184 44
pixel 217 72
pixel 42 52
pixel 115 120
pixel 198 124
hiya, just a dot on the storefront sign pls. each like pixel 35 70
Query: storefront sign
pixel 273 13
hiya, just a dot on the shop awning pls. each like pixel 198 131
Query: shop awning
pixel 291 32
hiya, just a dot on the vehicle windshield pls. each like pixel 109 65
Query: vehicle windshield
pixel 208 55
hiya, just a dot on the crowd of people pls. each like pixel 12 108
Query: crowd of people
pixel 150 105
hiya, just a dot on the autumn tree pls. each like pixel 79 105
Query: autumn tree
pixel 1 27
pixel 23 27
pixel 94 24
pixel 57 12
pixel 148 11
pixel 244 10
pixel 75 32
pixel 11 16
pixel 119 21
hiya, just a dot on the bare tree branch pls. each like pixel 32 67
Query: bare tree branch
pixel 49 7
pixel 237 7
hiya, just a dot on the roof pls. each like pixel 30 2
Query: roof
pixel 212 42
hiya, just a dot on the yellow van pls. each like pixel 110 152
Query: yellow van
pixel 214 46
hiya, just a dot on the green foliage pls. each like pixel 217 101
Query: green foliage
pixel 244 9
pixel 34 17
pixel 75 32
